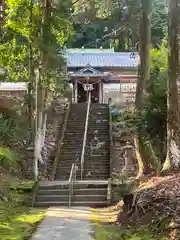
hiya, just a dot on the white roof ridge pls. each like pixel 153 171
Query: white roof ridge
pixel 13 86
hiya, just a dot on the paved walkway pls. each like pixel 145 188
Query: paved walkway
pixel 65 224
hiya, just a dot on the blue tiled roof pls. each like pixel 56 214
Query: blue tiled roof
pixel 101 59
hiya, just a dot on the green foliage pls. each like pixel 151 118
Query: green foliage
pixel 126 233
pixel 8 159
pixel 18 221
pixel 12 127
pixel 46 37
pixel 95 19
pixel 155 109
pixel 159 21
pixel 154 115
pixel 12 132
pixel 14 58
pixel 22 185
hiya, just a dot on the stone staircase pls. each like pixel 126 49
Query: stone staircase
pixel 92 190
pixel 86 193
pixel 72 144
pixel 97 153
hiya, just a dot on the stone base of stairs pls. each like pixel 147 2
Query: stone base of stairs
pixel 86 193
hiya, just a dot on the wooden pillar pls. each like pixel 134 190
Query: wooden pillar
pixel 100 99
pixel 76 91
pixel 73 92
pixel 101 92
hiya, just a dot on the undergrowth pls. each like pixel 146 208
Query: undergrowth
pixel 17 219
pixel 112 232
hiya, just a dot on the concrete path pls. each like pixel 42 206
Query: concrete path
pixel 65 224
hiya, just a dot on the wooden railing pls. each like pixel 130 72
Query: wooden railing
pixel 60 142
pixel 85 135
pixel 72 180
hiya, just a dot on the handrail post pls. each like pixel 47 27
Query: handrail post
pixel 72 180
pixel 85 134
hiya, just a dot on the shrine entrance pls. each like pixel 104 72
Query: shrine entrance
pixel 88 80
pixel 82 92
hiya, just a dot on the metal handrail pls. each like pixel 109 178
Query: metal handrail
pixel 72 180
pixel 85 135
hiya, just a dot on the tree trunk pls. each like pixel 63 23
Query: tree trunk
pixel 173 144
pixel 31 81
pixel 42 84
pixel 144 52
pixel 144 151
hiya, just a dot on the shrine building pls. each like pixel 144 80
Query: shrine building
pixel 107 74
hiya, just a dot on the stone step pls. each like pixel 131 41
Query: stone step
pixel 51 187
pixel 77 118
pixel 94 151
pixel 100 137
pixel 70 159
pixel 101 110
pixel 90 191
pixel 63 175
pixel 87 168
pixel 98 114
pixel 78 185
pixel 75 204
pixel 99 169
pixel 96 167
pixel 53 192
pixel 76 122
pixel 95 170
pixel 53 198
pixel 90 173
pixel 101 134
pixel 75 125
pixel 74 129
pixel 74 132
pixel 92 121
pixel 70 149
pixel 64 168
pixel 96 177
pixel 97 145
pixel 98 111
pixel 63 178
pixel 103 116
pixel 99 155
pixel 67 142
pixel 72 154
pixel 76 140
pixel 92 162
pixel 81 127
pixel 91 128
pixel 102 166
pixel 50 204
pixel 87 198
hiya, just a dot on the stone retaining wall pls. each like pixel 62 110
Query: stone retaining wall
pixel 54 124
